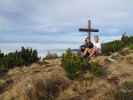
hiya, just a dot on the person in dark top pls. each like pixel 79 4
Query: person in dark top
pixel 87 48
pixel 89 44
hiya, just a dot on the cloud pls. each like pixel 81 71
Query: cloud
pixel 65 16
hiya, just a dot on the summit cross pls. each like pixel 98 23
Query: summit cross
pixel 89 29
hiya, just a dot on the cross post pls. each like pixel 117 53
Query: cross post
pixel 88 30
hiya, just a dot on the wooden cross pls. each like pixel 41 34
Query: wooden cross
pixel 89 29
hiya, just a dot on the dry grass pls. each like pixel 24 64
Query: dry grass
pixel 49 82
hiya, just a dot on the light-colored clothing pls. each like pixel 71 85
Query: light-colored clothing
pixel 98 47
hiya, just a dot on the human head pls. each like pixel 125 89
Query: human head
pixel 82 48
pixel 87 40
pixel 96 38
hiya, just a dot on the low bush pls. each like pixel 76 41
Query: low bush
pixel 111 47
pixel 73 64
pixel 2 82
pixel 18 58
pixel 124 92
pixel 130 46
pixel 117 45
pixel 97 70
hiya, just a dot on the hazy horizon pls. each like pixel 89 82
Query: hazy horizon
pixel 43 43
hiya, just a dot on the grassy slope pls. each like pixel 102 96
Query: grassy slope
pixel 34 82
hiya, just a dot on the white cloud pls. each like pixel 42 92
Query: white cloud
pixel 66 15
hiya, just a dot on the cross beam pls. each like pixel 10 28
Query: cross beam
pixel 89 29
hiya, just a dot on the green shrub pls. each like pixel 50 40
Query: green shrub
pixel 18 58
pixel 125 39
pixel 117 45
pixel 97 70
pixel 73 64
pixel 111 47
pixel 130 46
pixel 125 92
pixel 2 82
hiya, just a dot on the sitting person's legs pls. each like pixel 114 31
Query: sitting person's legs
pixel 93 52
pixel 86 51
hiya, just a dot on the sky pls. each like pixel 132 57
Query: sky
pixel 53 24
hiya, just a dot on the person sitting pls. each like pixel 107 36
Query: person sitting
pixel 87 48
pixel 82 48
pixel 97 47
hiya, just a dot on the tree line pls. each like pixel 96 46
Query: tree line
pixel 23 57
pixel 117 45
